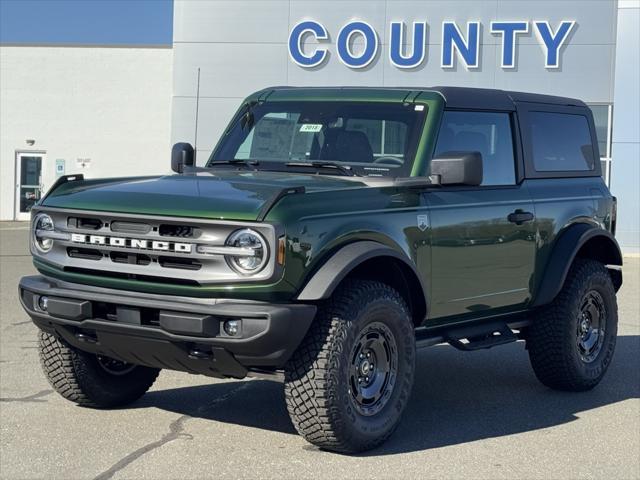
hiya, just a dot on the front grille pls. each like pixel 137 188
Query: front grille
pixel 130 258
pixel 84 223
pixel 181 231
pixel 130 227
pixel 168 250
pixel 176 262
pixel 84 253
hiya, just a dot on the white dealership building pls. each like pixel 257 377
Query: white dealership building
pixel 107 111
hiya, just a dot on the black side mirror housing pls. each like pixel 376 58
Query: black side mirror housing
pixel 458 168
pixel 181 156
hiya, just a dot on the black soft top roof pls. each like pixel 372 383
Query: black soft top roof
pixel 489 98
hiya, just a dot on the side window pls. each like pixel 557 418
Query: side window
pixel 560 142
pixel 486 132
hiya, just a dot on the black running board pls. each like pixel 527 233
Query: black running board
pixel 478 337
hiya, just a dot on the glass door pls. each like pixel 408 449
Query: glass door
pixel 29 186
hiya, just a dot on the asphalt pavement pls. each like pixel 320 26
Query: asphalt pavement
pixel 472 415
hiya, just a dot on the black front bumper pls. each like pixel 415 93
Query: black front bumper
pixel 176 333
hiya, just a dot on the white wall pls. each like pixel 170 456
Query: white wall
pixel 112 105
pixel 241 47
pixel 625 166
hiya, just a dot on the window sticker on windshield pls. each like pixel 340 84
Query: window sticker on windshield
pixel 310 127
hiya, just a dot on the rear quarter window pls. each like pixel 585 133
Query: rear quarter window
pixel 561 142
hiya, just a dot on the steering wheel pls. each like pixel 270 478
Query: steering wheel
pixel 389 159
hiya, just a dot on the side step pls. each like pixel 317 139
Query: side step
pixel 477 337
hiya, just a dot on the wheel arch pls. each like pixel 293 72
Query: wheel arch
pixel 373 261
pixel 578 241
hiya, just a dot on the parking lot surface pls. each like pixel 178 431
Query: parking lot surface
pixel 472 415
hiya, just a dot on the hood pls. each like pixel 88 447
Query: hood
pixel 230 195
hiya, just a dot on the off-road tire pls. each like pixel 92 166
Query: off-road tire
pixel 317 377
pixel 552 338
pixel 78 377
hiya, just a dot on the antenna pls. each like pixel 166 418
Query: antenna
pixel 195 139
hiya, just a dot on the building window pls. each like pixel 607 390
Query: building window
pixel 602 115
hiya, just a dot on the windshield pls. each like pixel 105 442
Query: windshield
pixel 372 139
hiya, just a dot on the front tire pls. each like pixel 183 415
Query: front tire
pixel 91 380
pixel 572 342
pixel 349 381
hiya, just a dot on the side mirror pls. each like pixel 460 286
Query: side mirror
pixel 181 156
pixel 458 168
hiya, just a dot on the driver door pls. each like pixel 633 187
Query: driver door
pixel 482 259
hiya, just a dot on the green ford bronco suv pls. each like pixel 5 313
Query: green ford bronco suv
pixel 330 233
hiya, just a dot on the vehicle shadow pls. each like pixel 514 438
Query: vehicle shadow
pixel 458 397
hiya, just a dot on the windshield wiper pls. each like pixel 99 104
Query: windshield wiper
pixel 345 169
pixel 234 161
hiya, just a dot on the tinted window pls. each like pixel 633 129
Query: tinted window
pixel 487 133
pixel 561 142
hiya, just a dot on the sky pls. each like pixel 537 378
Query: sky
pixel 87 22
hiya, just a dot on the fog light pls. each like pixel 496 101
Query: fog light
pixel 43 303
pixel 232 327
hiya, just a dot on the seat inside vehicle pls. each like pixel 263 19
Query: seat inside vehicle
pixel 346 145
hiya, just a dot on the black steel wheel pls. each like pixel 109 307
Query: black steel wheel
pixel 592 322
pixel 113 366
pixel 350 379
pixel 374 368
pixel 571 343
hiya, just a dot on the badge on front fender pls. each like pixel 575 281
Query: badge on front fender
pixel 423 222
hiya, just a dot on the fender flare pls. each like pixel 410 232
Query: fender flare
pixel 564 253
pixel 325 280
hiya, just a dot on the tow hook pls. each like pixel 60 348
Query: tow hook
pixel 200 354
pixel 83 337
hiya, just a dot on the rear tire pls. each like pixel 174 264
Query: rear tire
pixel 572 342
pixel 90 380
pixel 349 381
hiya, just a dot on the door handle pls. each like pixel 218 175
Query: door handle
pixel 520 216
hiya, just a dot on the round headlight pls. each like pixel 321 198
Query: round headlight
pixel 250 240
pixel 42 223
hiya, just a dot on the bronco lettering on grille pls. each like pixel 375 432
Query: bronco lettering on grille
pixel 131 243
